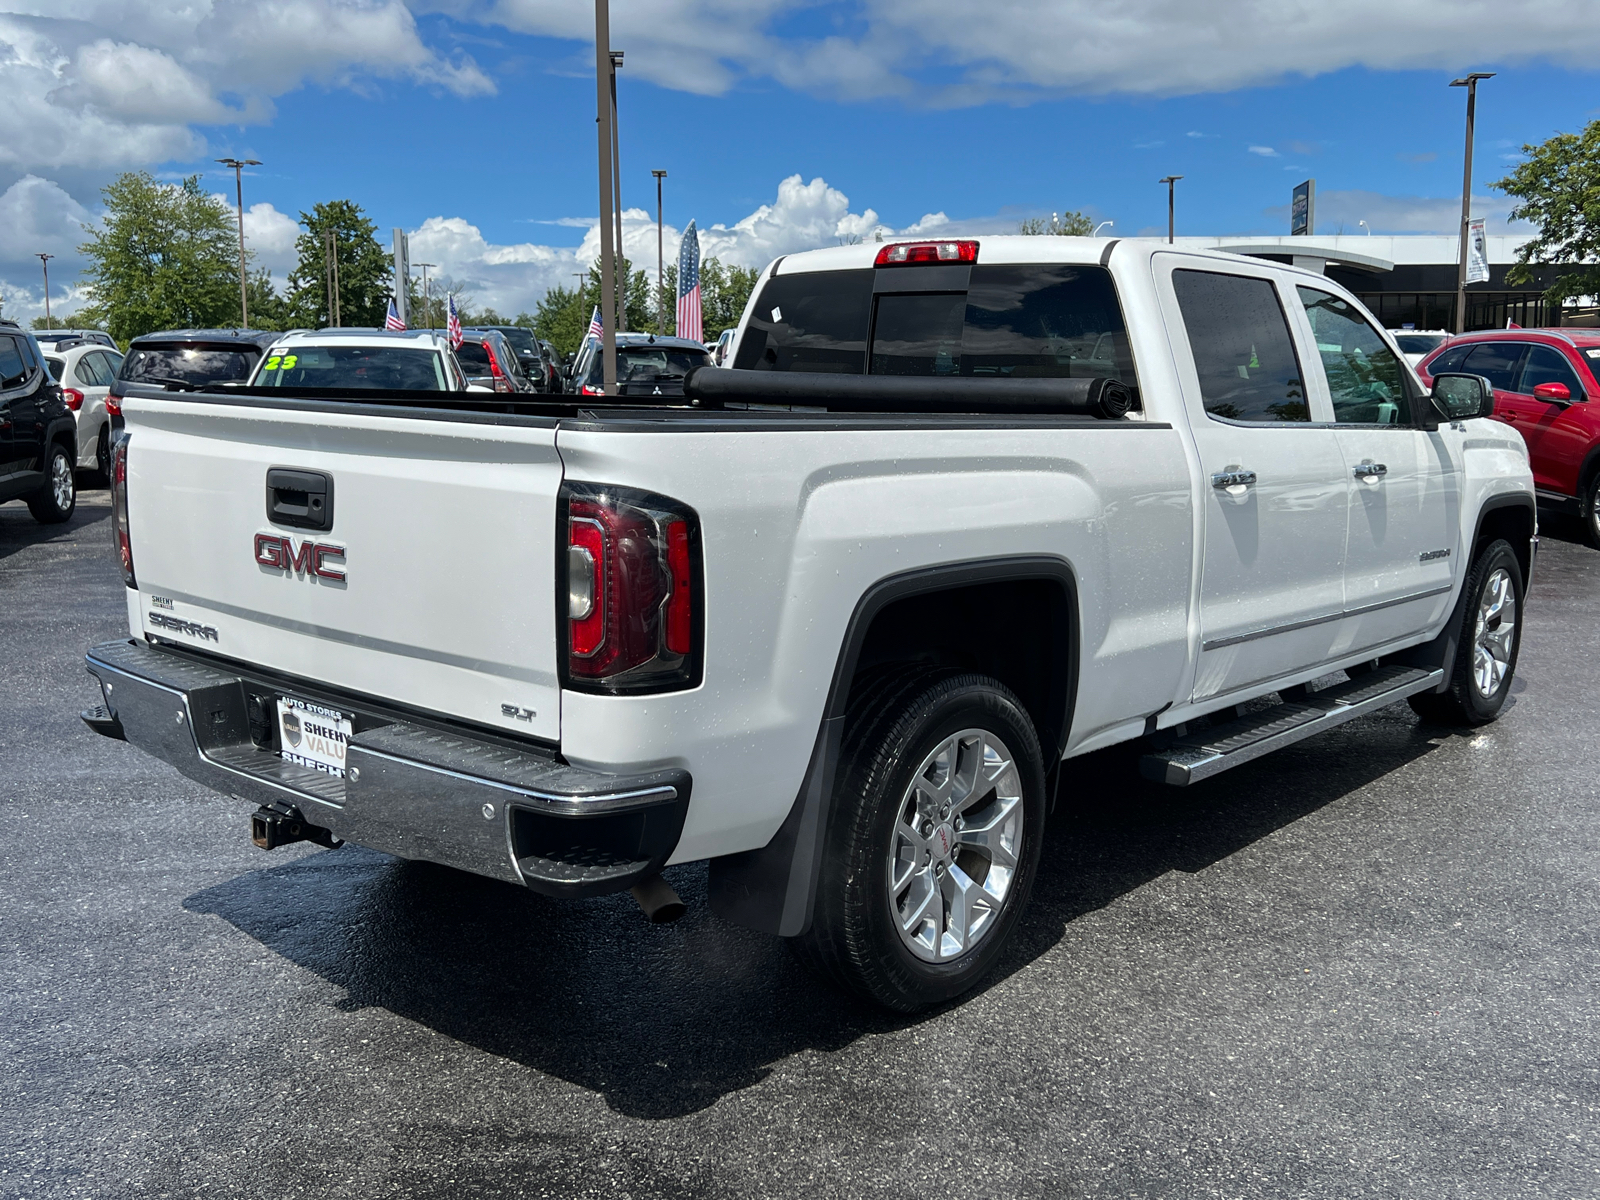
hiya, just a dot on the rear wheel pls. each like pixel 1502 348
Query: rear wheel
pixel 934 839
pixel 58 498
pixel 1489 637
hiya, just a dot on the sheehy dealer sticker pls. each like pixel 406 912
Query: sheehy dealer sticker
pixel 313 736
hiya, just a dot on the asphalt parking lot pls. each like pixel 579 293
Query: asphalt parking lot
pixel 1365 966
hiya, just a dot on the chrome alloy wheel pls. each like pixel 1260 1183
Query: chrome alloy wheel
pixel 1495 634
pixel 61 482
pixel 954 849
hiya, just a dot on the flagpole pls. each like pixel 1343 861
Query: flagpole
pixel 608 282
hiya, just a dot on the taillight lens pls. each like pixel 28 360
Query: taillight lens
pixel 632 594
pixel 590 390
pixel 114 406
pixel 119 508
pixel 905 254
pixel 73 397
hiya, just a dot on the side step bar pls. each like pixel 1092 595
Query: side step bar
pixel 1201 755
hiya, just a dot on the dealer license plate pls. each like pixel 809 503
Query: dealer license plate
pixel 313 736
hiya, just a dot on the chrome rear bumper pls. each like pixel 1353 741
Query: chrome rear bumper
pixel 417 792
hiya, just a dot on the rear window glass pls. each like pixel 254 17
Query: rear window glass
pixel 1014 321
pixel 522 340
pixel 1450 360
pixel 813 321
pixel 1417 343
pixel 56 365
pixel 473 357
pixel 185 365
pixel 386 367
pixel 649 364
pixel 13 370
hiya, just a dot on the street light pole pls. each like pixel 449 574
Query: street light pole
pixel 1171 222
pixel 616 197
pixel 238 165
pixel 1470 82
pixel 44 261
pixel 1101 226
pixel 608 282
pixel 661 270
pixel 427 296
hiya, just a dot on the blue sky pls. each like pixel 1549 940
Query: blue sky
pixel 473 127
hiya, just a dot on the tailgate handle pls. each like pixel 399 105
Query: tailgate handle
pixel 300 499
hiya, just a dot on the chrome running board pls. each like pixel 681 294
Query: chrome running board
pixel 1201 755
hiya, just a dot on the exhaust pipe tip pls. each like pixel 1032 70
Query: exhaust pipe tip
pixel 657 900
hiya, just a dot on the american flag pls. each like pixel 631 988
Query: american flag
pixel 452 326
pixel 596 330
pixel 689 285
pixel 393 321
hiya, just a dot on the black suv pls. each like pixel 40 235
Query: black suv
pixel 38 435
pixel 187 360
pixel 530 356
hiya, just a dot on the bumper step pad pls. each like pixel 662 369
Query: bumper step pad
pixel 1211 751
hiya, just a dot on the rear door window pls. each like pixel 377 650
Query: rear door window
pixel 1498 362
pixel 1242 349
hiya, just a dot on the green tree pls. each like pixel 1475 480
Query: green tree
pixel 365 271
pixel 1068 224
pixel 1558 190
pixel 164 257
pixel 268 309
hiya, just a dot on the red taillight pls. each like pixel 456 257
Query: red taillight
pixel 590 390
pixel 119 508
pixel 905 254
pixel 631 588
pixel 73 397
pixel 114 406
pixel 501 382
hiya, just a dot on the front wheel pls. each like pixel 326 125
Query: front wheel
pixel 1589 510
pixel 1489 637
pixel 934 839
pixel 58 498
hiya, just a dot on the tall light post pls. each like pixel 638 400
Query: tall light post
pixel 1171 221
pixel 1470 82
pixel 238 165
pixel 661 269
pixel 44 261
pixel 1365 226
pixel 1101 226
pixel 616 197
pixel 427 296
pixel 603 76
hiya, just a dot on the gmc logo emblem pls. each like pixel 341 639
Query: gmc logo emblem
pixel 280 554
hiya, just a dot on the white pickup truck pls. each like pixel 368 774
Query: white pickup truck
pixel 840 619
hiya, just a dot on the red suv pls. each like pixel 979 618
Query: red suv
pixel 1547 385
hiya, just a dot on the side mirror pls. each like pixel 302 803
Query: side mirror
pixel 1459 397
pixel 1555 393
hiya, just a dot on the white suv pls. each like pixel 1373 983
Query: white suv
pixel 413 360
pixel 85 370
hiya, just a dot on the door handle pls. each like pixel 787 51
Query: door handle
pixel 1370 470
pixel 1228 479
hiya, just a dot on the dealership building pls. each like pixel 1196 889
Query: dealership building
pixel 1409 280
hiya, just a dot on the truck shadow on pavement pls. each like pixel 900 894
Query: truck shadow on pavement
pixel 18 529
pixel 665 1020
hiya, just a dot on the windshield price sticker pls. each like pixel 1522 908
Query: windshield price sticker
pixel 280 362
pixel 313 736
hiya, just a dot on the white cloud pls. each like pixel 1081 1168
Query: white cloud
pixel 37 216
pixel 1264 151
pixel 1015 49
pixel 95 85
pixel 270 236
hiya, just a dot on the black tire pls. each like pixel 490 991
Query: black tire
pixel 896 721
pixel 102 454
pixel 57 500
pixel 1465 700
pixel 1589 510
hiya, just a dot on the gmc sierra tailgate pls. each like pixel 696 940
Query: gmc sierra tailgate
pixel 432 586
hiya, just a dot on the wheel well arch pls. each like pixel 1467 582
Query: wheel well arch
pixel 1588 470
pixel 899 618
pixel 1512 518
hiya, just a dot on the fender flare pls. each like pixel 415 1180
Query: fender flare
pixel 1441 651
pixel 772 889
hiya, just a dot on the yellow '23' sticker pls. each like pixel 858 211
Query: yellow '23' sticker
pixel 281 362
